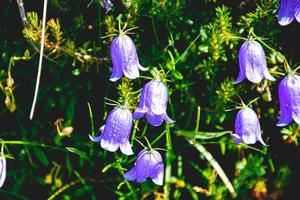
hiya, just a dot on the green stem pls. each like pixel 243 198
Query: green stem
pixel 91 119
pixel 26 143
pixel 168 170
pixel 209 157
pixel 186 50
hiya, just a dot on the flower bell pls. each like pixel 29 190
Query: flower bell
pixel 153 103
pixel 116 131
pixel 148 164
pixel 288 10
pixel 124 58
pixel 247 127
pixel 289 99
pixel 252 63
pixel 2 167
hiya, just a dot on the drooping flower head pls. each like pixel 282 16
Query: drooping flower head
pixel 107 4
pixel 2 167
pixel 289 99
pixel 288 10
pixel 153 103
pixel 124 58
pixel 247 127
pixel 148 164
pixel 116 131
pixel 252 63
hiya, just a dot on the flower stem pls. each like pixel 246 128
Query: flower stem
pixel 168 170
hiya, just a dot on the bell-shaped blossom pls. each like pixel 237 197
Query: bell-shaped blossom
pixel 148 164
pixel 252 63
pixel 288 10
pixel 124 58
pixel 107 4
pixel 247 127
pixel 2 169
pixel 289 99
pixel 153 103
pixel 116 131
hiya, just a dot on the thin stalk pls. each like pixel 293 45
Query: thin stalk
pixel 91 119
pixel 65 187
pixel 186 50
pixel 209 157
pixel 26 143
pixel 38 78
pixel 168 170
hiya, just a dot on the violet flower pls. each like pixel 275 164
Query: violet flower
pixel 252 63
pixel 247 127
pixel 288 10
pixel 153 103
pixel 116 131
pixel 107 4
pixel 148 164
pixel 2 169
pixel 289 99
pixel 124 58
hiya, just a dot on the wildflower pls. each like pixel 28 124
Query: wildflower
pixel 288 9
pixel 124 58
pixel 289 99
pixel 116 131
pixel 153 103
pixel 2 168
pixel 252 63
pixel 107 4
pixel 148 164
pixel 247 127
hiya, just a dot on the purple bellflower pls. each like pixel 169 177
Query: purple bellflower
pixel 289 99
pixel 153 103
pixel 107 4
pixel 247 127
pixel 288 10
pixel 2 168
pixel 116 131
pixel 124 58
pixel 252 63
pixel 148 164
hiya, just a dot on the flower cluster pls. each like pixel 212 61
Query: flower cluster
pixel 153 104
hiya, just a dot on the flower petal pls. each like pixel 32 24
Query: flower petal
pixel 157 174
pixel 254 60
pixel 168 119
pixel 285 112
pixel 2 170
pixel 109 145
pixel 126 148
pixel 286 12
pixel 155 120
pixel 237 138
pixel 131 174
pixel 297 12
pixel 139 113
pixel 249 137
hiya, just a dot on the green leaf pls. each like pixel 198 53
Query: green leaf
pixel 41 156
pixel 80 153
